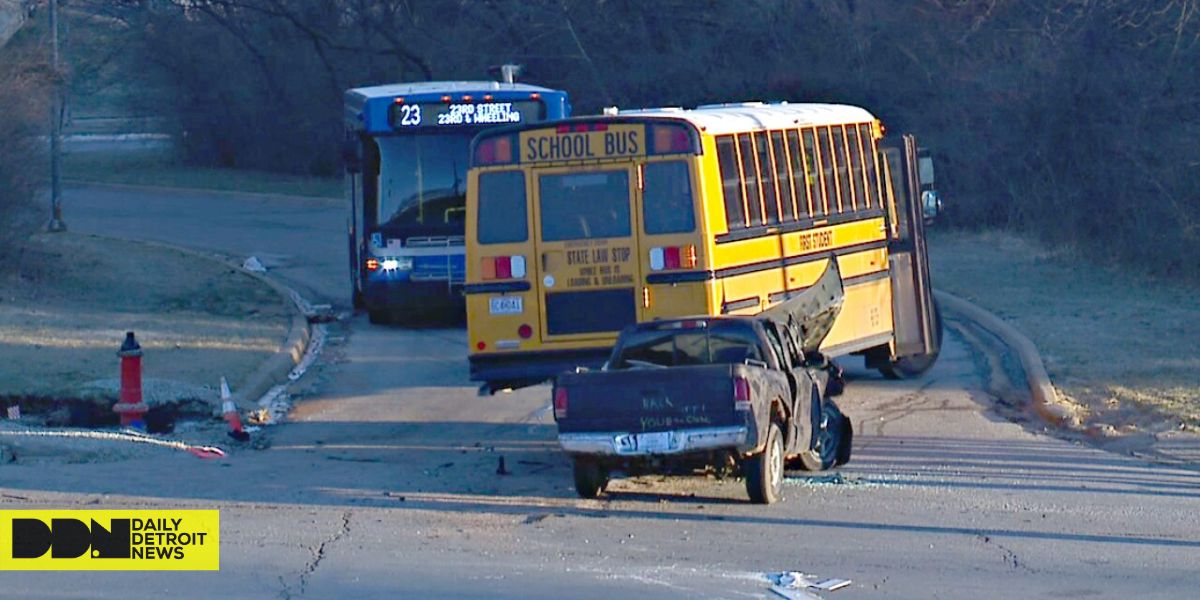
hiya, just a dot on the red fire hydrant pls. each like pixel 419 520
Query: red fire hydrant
pixel 131 407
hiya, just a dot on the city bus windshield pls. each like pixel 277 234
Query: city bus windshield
pixel 423 180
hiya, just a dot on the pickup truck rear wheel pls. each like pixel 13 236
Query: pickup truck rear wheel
pixel 764 471
pixel 590 478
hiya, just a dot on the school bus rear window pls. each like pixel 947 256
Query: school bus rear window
pixel 584 205
pixel 502 216
pixel 667 202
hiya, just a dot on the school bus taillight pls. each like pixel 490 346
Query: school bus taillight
pixel 502 267
pixel 495 151
pixel 671 258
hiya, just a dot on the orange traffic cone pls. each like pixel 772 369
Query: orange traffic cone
pixel 230 411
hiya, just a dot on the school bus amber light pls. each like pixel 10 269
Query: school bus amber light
pixel 673 257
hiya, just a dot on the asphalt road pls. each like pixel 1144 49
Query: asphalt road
pixel 384 485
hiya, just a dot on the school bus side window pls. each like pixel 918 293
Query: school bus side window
pixel 502 209
pixel 750 180
pixel 817 146
pixel 862 199
pixel 731 183
pixel 767 177
pixel 808 194
pixel 870 158
pixel 783 179
pixel 667 201
pixel 843 169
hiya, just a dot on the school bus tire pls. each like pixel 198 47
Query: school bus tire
pixel 591 478
pixel 911 367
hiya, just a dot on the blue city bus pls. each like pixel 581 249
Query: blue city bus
pixel 406 155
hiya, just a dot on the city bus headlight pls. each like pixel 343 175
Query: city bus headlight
pixel 403 263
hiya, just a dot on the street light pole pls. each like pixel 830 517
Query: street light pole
pixel 56 221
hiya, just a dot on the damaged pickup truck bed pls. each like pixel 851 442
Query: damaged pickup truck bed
pixel 720 393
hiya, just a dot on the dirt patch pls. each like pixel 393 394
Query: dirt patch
pixel 1122 347
pixel 67 303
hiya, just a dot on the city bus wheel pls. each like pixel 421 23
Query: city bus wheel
pixel 590 478
pixel 764 471
pixel 911 367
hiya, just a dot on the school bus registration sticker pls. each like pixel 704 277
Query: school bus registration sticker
pixel 110 540
pixel 505 305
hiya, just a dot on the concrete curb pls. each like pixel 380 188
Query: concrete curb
pixel 79 183
pixel 1045 398
pixel 274 370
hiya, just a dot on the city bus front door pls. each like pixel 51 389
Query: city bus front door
pixel 917 327
pixel 586 259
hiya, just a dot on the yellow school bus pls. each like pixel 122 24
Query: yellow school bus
pixel 578 228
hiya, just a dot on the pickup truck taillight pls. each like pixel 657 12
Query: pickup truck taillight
pixel 741 394
pixel 560 403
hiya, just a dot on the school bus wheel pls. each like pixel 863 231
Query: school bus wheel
pixel 910 367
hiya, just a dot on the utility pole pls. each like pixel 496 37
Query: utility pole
pixel 56 221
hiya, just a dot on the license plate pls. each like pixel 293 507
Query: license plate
pixel 646 443
pixel 505 305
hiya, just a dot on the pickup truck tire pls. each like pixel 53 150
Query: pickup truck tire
pixel 846 443
pixel 590 478
pixel 832 442
pixel 764 471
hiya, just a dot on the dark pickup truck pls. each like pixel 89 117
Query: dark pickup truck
pixel 719 393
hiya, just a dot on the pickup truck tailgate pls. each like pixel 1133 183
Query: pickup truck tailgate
pixel 649 400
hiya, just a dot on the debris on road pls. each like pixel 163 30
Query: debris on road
pixel 794 584
pixel 128 435
pixel 500 470
pixel 254 265
pixel 794 594
pixel 833 480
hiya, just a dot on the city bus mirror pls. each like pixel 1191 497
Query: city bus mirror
pixel 931 204
pixel 351 157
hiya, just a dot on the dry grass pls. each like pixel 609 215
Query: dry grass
pixel 64 314
pixel 1123 345
pixel 156 168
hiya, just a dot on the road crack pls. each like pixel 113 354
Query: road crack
pixel 318 553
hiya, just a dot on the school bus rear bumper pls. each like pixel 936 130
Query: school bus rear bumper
pixel 527 368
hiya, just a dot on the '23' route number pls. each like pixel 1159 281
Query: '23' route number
pixel 410 114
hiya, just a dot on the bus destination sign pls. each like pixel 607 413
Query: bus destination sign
pixel 464 114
